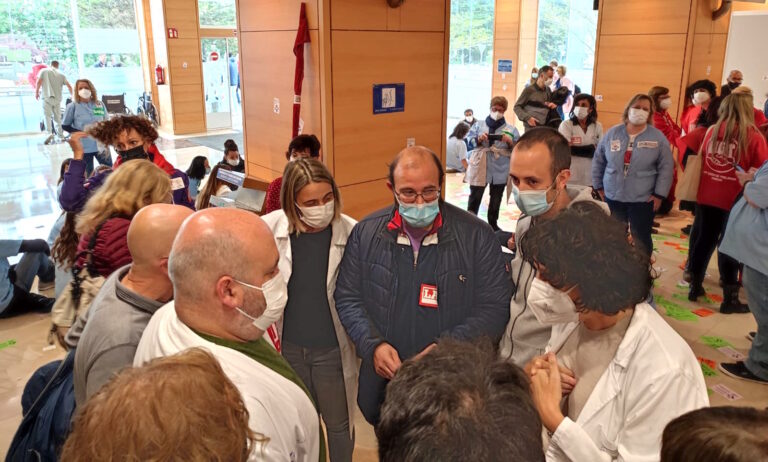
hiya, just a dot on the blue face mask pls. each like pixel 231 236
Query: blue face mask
pixel 419 215
pixel 207 170
pixel 534 202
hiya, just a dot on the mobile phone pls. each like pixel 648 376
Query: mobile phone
pixel 738 168
pixel 494 138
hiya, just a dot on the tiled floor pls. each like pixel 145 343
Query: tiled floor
pixel 28 175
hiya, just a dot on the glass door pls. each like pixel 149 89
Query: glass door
pixel 233 57
pixel 216 81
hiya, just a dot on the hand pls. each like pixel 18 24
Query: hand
pixel 568 379
pixel 465 164
pixel 424 352
pixel 745 177
pixel 35 245
pixel 551 105
pixel 482 138
pixel 601 192
pixel 532 122
pixel 511 244
pixel 656 202
pixel 76 144
pixel 386 361
pixel 37 94
pixel 507 139
pixel 547 392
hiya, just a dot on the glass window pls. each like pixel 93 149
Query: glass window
pixel 470 70
pixel 217 13
pixel 91 39
pixel 566 33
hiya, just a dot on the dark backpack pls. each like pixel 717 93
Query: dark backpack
pixel 48 404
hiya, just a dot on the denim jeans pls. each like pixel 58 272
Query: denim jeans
pixel 320 370
pixel 30 265
pixel 756 286
pixel 639 216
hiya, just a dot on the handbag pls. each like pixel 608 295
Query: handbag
pixel 688 186
pixel 77 296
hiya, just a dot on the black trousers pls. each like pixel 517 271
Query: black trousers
pixel 476 197
pixel 708 230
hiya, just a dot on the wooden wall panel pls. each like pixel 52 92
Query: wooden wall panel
pixel 364 143
pixel 708 57
pixel 506 43
pixel 645 16
pixel 182 51
pixel 268 66
pixel 413 15
pixel 264 15
pixel 632 64
pixel 188 109
pixel 704 23
pixel 361 199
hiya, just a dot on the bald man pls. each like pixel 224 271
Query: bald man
pixel 223 266
pixel 127 300
pixel 734 80
pixel 416 272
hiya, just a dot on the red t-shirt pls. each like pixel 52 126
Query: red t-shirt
pixel 719 186
pixel 688 120
pixel 272 201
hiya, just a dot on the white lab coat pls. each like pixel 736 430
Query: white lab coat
pixel 340 229
pixel 278 408
pixel 653 379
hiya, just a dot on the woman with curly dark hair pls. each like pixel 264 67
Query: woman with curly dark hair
pixel 619 369
pixel 132 137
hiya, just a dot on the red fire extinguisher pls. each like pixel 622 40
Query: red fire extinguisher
pixel 159 75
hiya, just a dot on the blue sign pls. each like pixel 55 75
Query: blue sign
pixel 505 65
pixel 388 97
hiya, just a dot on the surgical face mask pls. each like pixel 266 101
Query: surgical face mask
pixel 469 119
pixel 207 170
pixel 84 93
pixel 580 112
pixel 665 103
pixel 317 217
pixel 549 305
pixel 533 202
pixel 133 153
pixel 276 294
pixel 234 162
pixel 638 116
pixel 700 97
pixel 549 81
pixel 419 215
pixel 496 115
pixel 534 75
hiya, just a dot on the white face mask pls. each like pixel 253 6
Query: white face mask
pixel 638 116
pixel 665 103
pixel 319 216
pixel 580 112
pixel 700 97
pixel 276 294
pixel 534 75
pixel 548 82
pixel 469 119
pixel 496 115
pixel 84 93
pixel 234 162
pixel 549 305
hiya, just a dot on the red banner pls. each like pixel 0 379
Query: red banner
pixel 302 37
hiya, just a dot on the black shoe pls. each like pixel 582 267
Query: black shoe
pixel 751 336
pixel 731 303
pixel 656 224
pixel 738 370
pixel 687 230
pixel 696 290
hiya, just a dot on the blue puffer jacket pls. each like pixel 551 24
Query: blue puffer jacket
pixel 473 284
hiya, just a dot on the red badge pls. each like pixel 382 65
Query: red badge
pixel 428 296
pixel 272 332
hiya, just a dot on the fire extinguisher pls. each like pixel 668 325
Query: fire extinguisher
pixel 159 75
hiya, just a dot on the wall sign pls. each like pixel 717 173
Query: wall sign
pixel 388 97
pixel 505 65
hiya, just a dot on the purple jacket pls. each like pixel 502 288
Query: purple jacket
pixel 76 189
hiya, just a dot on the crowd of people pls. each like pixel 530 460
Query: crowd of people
pixel 232 336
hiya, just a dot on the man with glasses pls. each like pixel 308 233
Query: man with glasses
pixel 416 272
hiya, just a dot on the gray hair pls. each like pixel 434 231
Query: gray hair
pixel 195 266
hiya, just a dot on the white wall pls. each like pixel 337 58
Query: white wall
pixel 746 51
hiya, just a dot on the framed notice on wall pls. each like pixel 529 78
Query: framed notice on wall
pixel 505 65
pixel 388 97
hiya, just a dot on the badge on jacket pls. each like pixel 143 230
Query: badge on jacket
pixel 648 144
pixel 615 145
pixel 428 296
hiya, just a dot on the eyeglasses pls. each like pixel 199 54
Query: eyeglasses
pixel 409 195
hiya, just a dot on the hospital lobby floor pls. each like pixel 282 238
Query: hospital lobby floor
pixel 28 174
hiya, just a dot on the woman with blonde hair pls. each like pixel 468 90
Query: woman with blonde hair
pixel 733 144
pixel 84 110
pixel 633 168
pixel 182 407
pixel 213 187
pixel 311 234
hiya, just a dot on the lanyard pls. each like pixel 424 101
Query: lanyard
pixel 628 156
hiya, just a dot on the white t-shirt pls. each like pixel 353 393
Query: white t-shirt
pixel 576 136
pixel 456 151
pixel 52 81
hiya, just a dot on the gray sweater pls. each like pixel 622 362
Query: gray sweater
pixel 116 320
pixel 524 110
